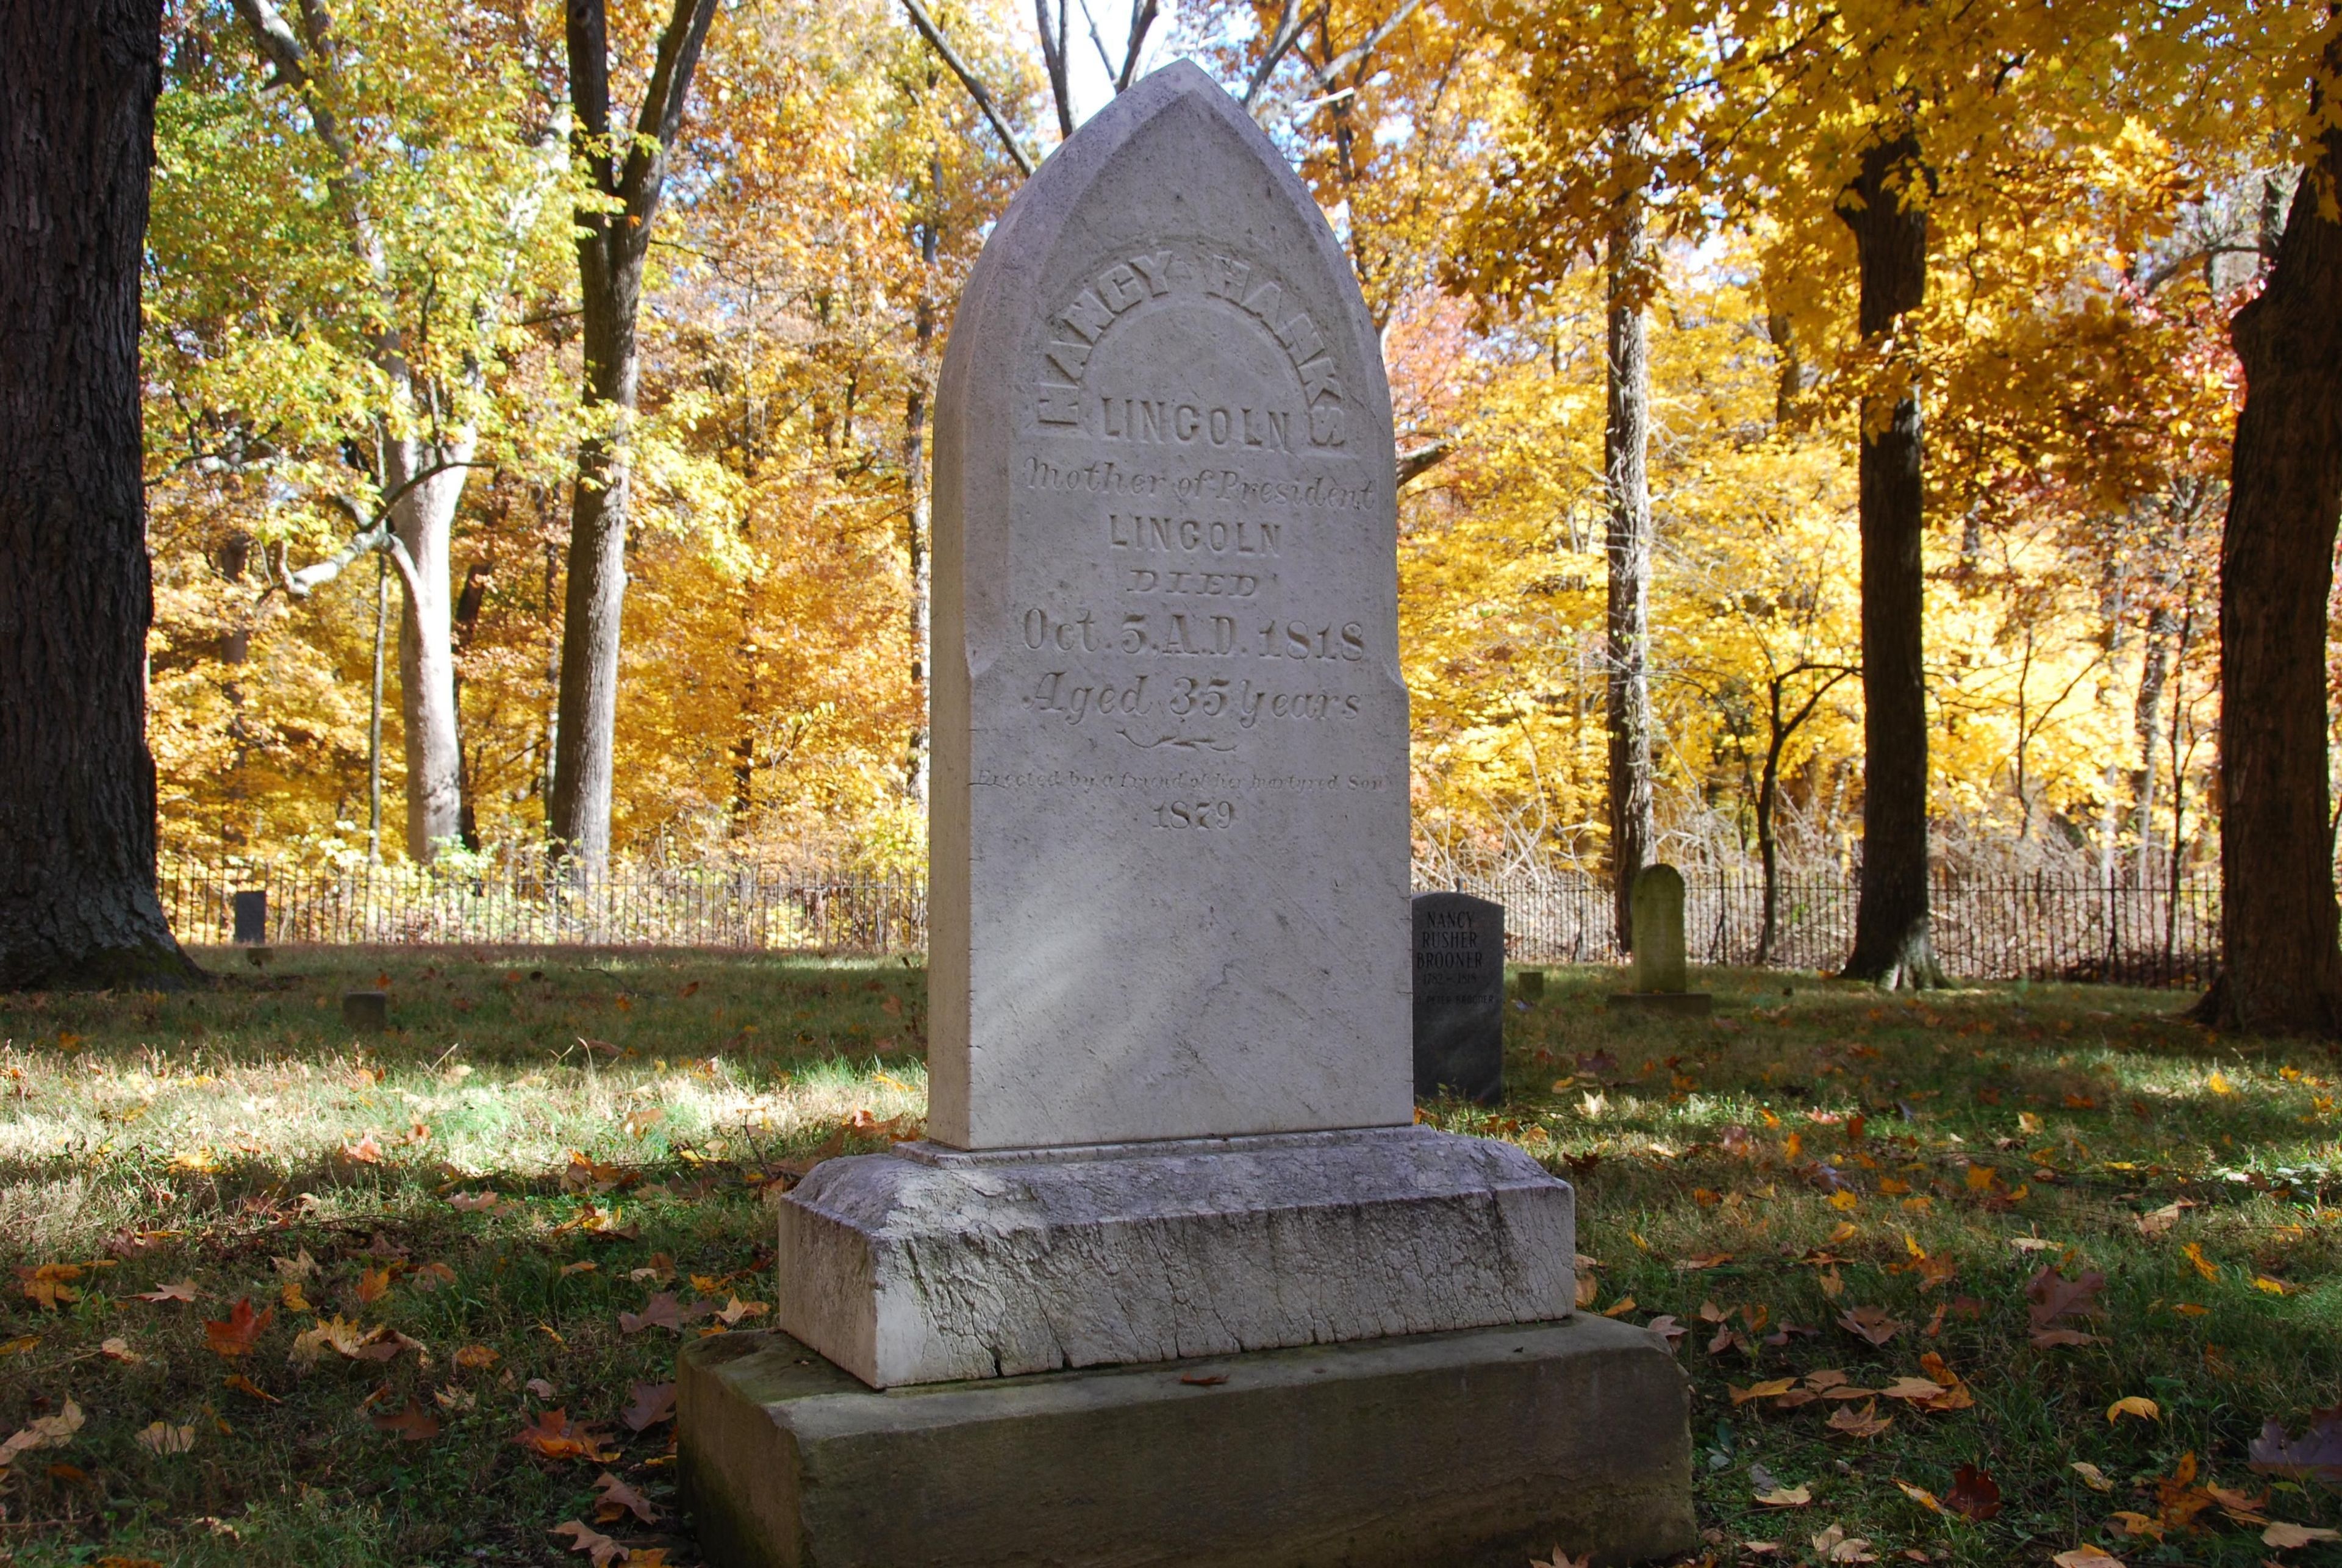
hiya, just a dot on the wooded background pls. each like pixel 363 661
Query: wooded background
pixel 375 225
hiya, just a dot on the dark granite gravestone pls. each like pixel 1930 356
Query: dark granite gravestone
pixel 1459 996
pixel 252 915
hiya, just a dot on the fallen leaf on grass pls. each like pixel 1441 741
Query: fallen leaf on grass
pixel 473 1357
pixel 162 1437
pixel 616 1500
pixel 1871 1323
pixel 1667 1328
pixel 2139 1526
pixel 183 1291
pixel 2204 1265
pixel 2053 1296
pixel 48 1431
pixel 302 1267
pixel 2144 1409
pixel 364 1152
pixel 1920 1495
pixel 1835 1547
pixel 1787 1496
pixel 235 1335
pixel 2315 1455
pixel 583 1266
pixel 553 1435
pixel 412 1424
pixel 735 1310
pixel 245 1385
pixel 1772 1390
pixel 47 1285
pixel 2085 1557
pixel 373 1286
pixel 585 1538
pixel 2053 1338
pixel 1561 1559
pixel 2092 1476
pixel 653 1403
pixel 1620 1308
pixel 1864 1423
pixel 476 1202
pixel 1974 1495
pixel 119 1349
pixel 2285 1537
pixel 289 1297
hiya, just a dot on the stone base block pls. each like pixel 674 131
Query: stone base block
pixel 932 1265
pixel 1690 1004
pixel 1473 1450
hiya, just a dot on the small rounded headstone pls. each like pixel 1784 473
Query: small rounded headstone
pixel 367 1009
pixel 1530 982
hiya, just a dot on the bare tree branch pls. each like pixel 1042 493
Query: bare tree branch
pixel 1365 46
pixel 1142 17
pixel 967 79
pixel 1052 56
pixel 1288 28
pixel 373 534
pixel 661 119
pixel 1415 460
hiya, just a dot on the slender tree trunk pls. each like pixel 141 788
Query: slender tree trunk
pixel 2281 968
pixel 914 476
pixel 373 710
pixel 1892 942
pixel 1626 439
pixel 77 902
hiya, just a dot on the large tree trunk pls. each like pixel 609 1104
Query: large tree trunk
pixel 596 596
pixel 77 904
pixel 424 519
pixel 629 171
pixel 2281 969
pixel 1626 439
pixel 1892 943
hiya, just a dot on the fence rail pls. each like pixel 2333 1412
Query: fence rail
pixel 2041 928
pixel 2030 928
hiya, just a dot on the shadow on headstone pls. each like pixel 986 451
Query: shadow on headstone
pixel 1662 977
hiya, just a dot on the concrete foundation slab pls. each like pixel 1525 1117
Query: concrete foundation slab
pixel 932 1265
pixel 1470 1450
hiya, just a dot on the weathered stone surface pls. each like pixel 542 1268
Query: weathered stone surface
pixel 1473 1450
pixel 368 1010
pixel 930 1264
pixel 1169 801
pixel 1658 909
pixel 252 914
pixel 1460 997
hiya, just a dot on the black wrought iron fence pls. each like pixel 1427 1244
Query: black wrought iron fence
pixel 776 908
pixel 2042 927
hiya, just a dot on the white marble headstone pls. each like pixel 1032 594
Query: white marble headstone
pixel 1169 819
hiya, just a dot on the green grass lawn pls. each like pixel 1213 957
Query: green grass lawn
pixel 557 1164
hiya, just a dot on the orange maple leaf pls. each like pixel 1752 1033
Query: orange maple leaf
pixel 234 1337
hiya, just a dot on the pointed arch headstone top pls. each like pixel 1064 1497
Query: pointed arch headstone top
pixel 1169 807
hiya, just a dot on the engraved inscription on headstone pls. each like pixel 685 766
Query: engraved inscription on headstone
pixel 1460 997
pixel 1169 804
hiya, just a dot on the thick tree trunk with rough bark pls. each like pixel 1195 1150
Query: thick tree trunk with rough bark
pixel 1626 441
pixel 77 904
pixel 1892 942
pixel 2281 969
pixel 631 171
